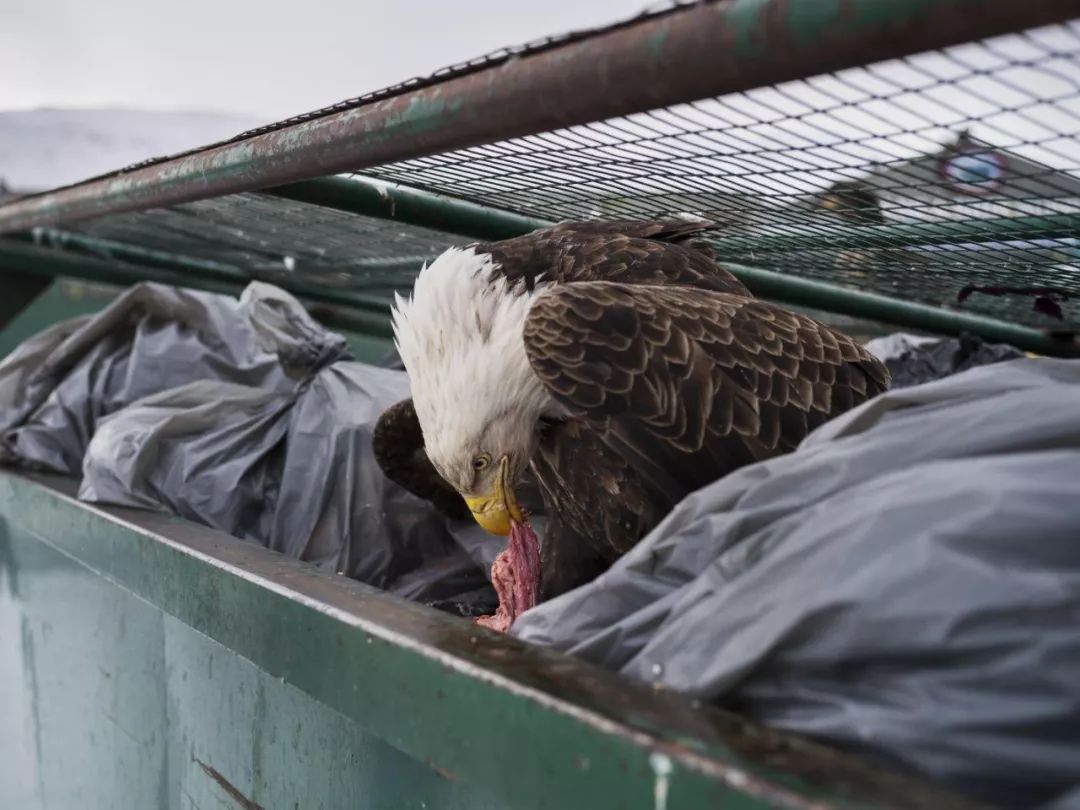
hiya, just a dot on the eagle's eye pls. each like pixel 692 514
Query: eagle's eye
pixel 481 462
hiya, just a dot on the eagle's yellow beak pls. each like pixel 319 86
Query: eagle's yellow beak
pixel 497 510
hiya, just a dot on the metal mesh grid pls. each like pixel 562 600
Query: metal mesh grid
pixel 267 238
pixel 946 175
pixel 916 178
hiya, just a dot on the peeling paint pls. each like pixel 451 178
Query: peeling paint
pixel 30 671
pixel 241 800
pixel 661 768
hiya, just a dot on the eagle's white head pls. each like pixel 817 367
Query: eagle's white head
pixel 476 396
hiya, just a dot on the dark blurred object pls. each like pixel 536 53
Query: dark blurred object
pixel 1046 300
pixel 933 361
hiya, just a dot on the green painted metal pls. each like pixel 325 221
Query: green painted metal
pixel 718 48
pixel 416 207
pixel 354 311
pixel 111 250
pixel 148 257
pixel 369 314
pixel 70 298
pixel 64 299
pixel 833 298
pixel 20 290
pixel 378 198
pixel 315 689
pixel 108 703
pixel 826 236
pixel 385 200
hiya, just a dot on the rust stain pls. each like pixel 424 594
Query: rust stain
pixel 238 797
pixel 448 775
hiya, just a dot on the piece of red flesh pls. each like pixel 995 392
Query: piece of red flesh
pixel 516 577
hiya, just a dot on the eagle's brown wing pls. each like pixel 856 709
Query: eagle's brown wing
pixel 590 526
pixel 398 444
pixel 624 251
pixel 689 384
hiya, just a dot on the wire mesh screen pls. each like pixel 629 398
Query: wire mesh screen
pixel 257 236
pixel 950 178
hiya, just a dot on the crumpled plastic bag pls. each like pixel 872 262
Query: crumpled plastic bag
pixel 243 415
pixel 56 387
pixel 294 471
pixel 905 585
pixel 895 344
pixel 913 359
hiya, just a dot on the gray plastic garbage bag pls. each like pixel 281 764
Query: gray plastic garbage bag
pixel 240 414
pixel 56 387
pixel 912 359
pixel 906 585
pixel 1068 800
pixel 294 471
pixel 203 451
pixel 890 346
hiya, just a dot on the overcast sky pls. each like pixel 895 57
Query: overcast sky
pixel 264 59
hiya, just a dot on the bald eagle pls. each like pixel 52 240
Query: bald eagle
pixel 613 367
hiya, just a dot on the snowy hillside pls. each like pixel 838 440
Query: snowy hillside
pixel 45 148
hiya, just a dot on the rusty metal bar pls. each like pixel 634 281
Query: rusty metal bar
pixel 702 50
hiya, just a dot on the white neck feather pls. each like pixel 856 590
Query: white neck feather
pixel 460 337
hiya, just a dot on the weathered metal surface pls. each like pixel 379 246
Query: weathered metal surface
pixel 494 720
pixel 108 703
pixel 64 298
pixel 378 198
pixel 363 314
pixel 817 235
pixel 107 249
pixel 702 50
pixel 369 315
pixel 20 290
pixel 845 301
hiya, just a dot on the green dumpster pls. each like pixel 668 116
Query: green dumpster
pixel 146 661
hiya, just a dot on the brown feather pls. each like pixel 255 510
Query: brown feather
pixel 398 444
pixel 724 376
